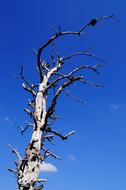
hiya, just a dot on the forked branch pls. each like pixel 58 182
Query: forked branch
pixel 93 22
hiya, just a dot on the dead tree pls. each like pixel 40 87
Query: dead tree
pixel 43 115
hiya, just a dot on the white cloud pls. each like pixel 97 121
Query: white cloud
pixel 8 120
pixel 47 167
pixel 72 157
pixel 115 106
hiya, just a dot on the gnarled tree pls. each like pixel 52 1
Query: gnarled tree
pixel 53 81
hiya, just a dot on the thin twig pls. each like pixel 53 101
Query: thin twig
pixel 73 97
pixel 15 152
pixel 48 153
pixel 91 83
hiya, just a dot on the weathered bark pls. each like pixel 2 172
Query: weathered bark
pixel 52 78
pixel 29 167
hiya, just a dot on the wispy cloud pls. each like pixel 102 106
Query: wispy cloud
pixel 47 167
pixel 8 120
pixel 115 106
pixel 72 157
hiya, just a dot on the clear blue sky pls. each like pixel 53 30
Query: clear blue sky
pixel 99 146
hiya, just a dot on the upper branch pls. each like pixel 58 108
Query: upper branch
pixel 63 137
pixel 29 87
pixel 58 92
pixel 93 22
pixel 63 76
pixel 85 53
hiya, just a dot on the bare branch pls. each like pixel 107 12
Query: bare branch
pixel 29 112
pixel 58 92
pixel 74 98
pixel 94 68
pixel 29 89
pixel 69 134
pixel 25 128
pixel 48 153
pixel 85 53
pixel 31 103
pixel 39 66
pixel 91 83
pixel 41 180
pixel 53 118
pixel 15 152
pixel 39 187
pixel 55 51
pixel 53 60
pixel 93 22
pixel 53 28
pixel 13 171
pixel 22 129
pixel 51 40
pixel 63 76
pixel 59 135
pixel 50 138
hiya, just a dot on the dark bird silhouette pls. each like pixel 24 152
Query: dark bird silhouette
pixel 93 22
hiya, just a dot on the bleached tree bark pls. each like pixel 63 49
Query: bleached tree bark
pixel 43 115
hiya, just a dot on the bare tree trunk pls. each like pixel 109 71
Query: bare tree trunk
pixel 52 78
pixel 29 168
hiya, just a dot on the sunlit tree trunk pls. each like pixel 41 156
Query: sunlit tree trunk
pixel 53 82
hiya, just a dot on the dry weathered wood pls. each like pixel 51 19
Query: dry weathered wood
pixel 42 112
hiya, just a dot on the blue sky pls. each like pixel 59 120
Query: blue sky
pixel 93 159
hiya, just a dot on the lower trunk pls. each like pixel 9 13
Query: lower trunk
pixel 29 167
